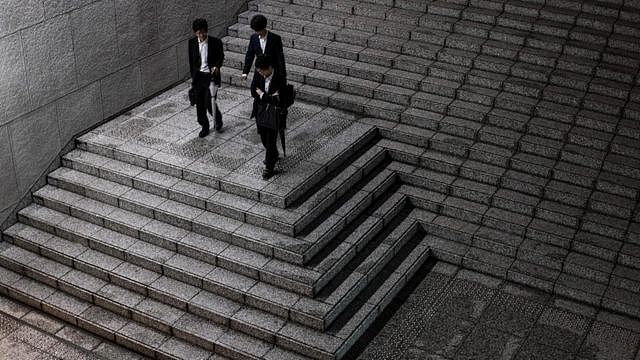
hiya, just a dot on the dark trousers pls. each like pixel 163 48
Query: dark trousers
pixel 201 85
pixel 269 139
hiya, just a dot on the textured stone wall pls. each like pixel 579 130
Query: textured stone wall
pixel 66 65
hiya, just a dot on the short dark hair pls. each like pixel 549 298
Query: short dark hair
pixel 263 62
pixel 258 22
pixel 200 24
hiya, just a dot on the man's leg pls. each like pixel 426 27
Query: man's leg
pixel 202 86
pixel 269 137
pixel 217 114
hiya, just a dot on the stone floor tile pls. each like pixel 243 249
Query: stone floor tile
pixel 607 341
pixel 43 321
pixel 182 350
pixel 235 344
pixel 486 343
pixel 561 329
pixel 79 337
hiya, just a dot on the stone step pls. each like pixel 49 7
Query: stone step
pixel 538 265
pixel 167 240
pixel 395 37
pixel 135 322
pixel 288 335
pixel 334 193
pixel 373 17
pixel 241 180
pixel 233 263
pixel 465 109
pixel 123 295
pixel 535 67
pixel 109 207
pixel 291 221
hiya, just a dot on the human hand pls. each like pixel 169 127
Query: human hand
pixel 244 76
pixel 215 70
pixel 259 92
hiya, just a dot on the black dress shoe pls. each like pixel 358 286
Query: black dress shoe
pixel 203 133
pixel 267 174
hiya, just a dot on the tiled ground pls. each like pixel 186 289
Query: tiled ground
pixel 473 316
pixel 164 131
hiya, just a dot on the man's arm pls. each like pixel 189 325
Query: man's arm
pixel 283 66
pixel 219 54
pixel 191 59
pixel 254 86
pixel 248 59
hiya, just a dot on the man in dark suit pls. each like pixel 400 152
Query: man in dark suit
pixel 265 89
pixel 205 59
pixel 264 42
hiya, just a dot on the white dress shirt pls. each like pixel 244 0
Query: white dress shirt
pixel 204 51
pixel 263 42
pixel 267 84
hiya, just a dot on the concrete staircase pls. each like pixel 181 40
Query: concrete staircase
pixel 500 136
pixel 522 114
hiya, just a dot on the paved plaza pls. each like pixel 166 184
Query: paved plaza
pixel 461 181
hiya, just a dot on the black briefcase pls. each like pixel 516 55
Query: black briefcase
pixel 268 116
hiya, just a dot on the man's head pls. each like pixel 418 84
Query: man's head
pixel 264 65
pixel 200 28
pixel 259 24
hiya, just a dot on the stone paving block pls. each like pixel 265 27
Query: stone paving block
pixel 182 350
pixel 438 86
pixel 101 322
pixel 550 233
pixel 604 225
pixel 352 36
pixel 452 144
pixel 347 51
pixel 617 185
pixel 554 321
pixel 330 17
pixel 487 262
pixel 610 340
pixel 143 339
pixel 197 330
pixel 358 86
pixel 75 336
pixel 237 345
pixel 481 172
pixel 430 102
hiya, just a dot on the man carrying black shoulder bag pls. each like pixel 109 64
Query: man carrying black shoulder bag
pixel 268 111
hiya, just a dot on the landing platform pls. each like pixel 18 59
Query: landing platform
pixel 162 135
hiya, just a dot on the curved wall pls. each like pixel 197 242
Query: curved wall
pixel 66 65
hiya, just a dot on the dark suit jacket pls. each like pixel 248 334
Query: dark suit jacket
pixel 277 83
pixel 215 57
pixel 273 49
